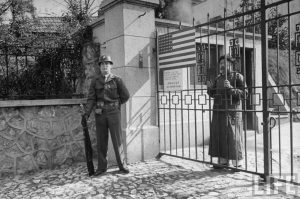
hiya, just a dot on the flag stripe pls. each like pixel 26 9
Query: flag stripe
pixel 184 45
pixel 178 61
pixel 183 32
pixel 183 42
pixel 183 37
pixel 161 59
pixel 180 50
pixel 179 65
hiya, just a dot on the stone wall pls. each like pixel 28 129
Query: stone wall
pixel 33 138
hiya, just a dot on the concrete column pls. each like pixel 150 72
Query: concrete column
pixel 127 33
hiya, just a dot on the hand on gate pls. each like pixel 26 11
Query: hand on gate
pixel 227 84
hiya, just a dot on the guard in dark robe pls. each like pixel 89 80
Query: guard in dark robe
pixel 226 138
pixel 106 93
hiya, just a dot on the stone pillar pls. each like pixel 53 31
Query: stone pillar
pixel 129 37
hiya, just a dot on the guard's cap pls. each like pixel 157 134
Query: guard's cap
pixel 105 58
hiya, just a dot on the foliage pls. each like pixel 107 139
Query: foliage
pixel 21 12
pixel 276 26
pixel 79 12
pixel 35 65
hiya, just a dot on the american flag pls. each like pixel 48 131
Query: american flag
pixel 177 49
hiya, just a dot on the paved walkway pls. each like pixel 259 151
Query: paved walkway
pixel 165 178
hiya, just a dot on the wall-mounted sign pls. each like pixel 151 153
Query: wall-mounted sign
pixel 173 80
pixel 297 53
pixel 202 62
pixel 234 48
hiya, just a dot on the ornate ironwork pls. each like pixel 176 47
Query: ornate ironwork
pixel 234 48
pixel 202 51
pixel 39 72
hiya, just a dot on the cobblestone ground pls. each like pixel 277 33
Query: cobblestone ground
pixel 166 178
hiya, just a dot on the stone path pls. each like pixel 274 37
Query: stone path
pixel 166 178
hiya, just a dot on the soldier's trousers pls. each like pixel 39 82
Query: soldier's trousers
pixel 109 120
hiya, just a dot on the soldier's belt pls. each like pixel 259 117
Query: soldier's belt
pixel 107 106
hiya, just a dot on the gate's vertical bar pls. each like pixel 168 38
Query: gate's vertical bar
pixel 234 70
pixel 264 59
pixel 226 78
pixel 208 49
pixel 278 83
pixel 188 94
pixel 195 108
pixel 157 87
pixel 182 135
pixel 217 70
pixel 254 90
pixel 290 94
pixel 170 123
pixel 203 148
pixel 176 139
pixel 245 83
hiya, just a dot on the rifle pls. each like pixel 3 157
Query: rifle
pixel 87 146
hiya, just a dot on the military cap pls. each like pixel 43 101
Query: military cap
pixel 105 58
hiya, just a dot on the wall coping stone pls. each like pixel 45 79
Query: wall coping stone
pixel 48 102
pixel 106 5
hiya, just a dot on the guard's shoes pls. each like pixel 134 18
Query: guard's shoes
pixel 124 170
pixel 99 172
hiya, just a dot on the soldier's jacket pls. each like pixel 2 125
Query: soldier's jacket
pixel 109 92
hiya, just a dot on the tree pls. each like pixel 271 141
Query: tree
pixel 36 63
pixel 79 12
pixel 275 27
pixel 21 11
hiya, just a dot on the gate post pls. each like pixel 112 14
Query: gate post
pixel 264 49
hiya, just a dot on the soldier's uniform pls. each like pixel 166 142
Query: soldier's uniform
pixel 107 96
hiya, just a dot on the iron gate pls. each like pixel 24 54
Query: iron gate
pixel 264 41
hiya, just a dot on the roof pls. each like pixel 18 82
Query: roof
pixel 196 2
pixel 51 24
pixel 48 24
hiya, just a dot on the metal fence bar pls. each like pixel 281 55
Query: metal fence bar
pixel 176 138
pixel 254 88
pixel 278 83
pixel 188 110
pixel 290 94
pixel 245 99
pixel 266 133
pixel 195 112
pixel 170 122
pixel 182 132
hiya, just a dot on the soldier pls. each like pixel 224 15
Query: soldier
pixel 106 93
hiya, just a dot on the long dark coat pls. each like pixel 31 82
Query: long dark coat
pixel 226 138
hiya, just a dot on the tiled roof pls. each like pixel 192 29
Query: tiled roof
pixel 48 24
pixel 51 24
pixel 195 2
